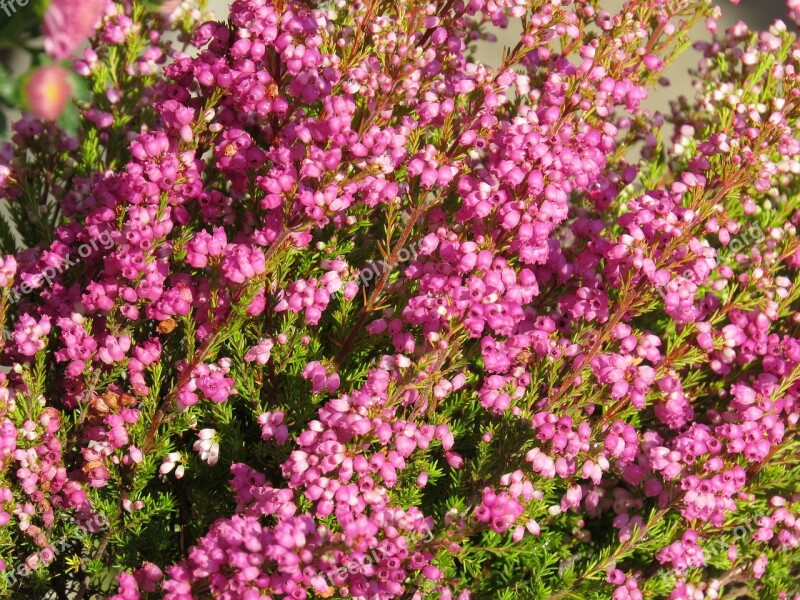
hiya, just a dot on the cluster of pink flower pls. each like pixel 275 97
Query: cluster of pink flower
pixel 568 346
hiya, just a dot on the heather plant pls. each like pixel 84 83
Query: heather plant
pixel 312 303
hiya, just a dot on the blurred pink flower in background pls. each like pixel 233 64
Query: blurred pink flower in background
pixel 68 23
pixel 169 6
pixel 47 92
pixel 793 7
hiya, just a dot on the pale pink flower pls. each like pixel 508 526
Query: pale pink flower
pixel 68 23
pixel 47 92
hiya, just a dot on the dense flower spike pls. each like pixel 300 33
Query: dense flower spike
pixel 315 304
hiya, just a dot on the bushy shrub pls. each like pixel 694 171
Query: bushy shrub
pixel 313 303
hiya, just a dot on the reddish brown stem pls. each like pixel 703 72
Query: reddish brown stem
pixel 369 305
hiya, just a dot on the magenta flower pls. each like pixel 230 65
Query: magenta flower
pixel 532 338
